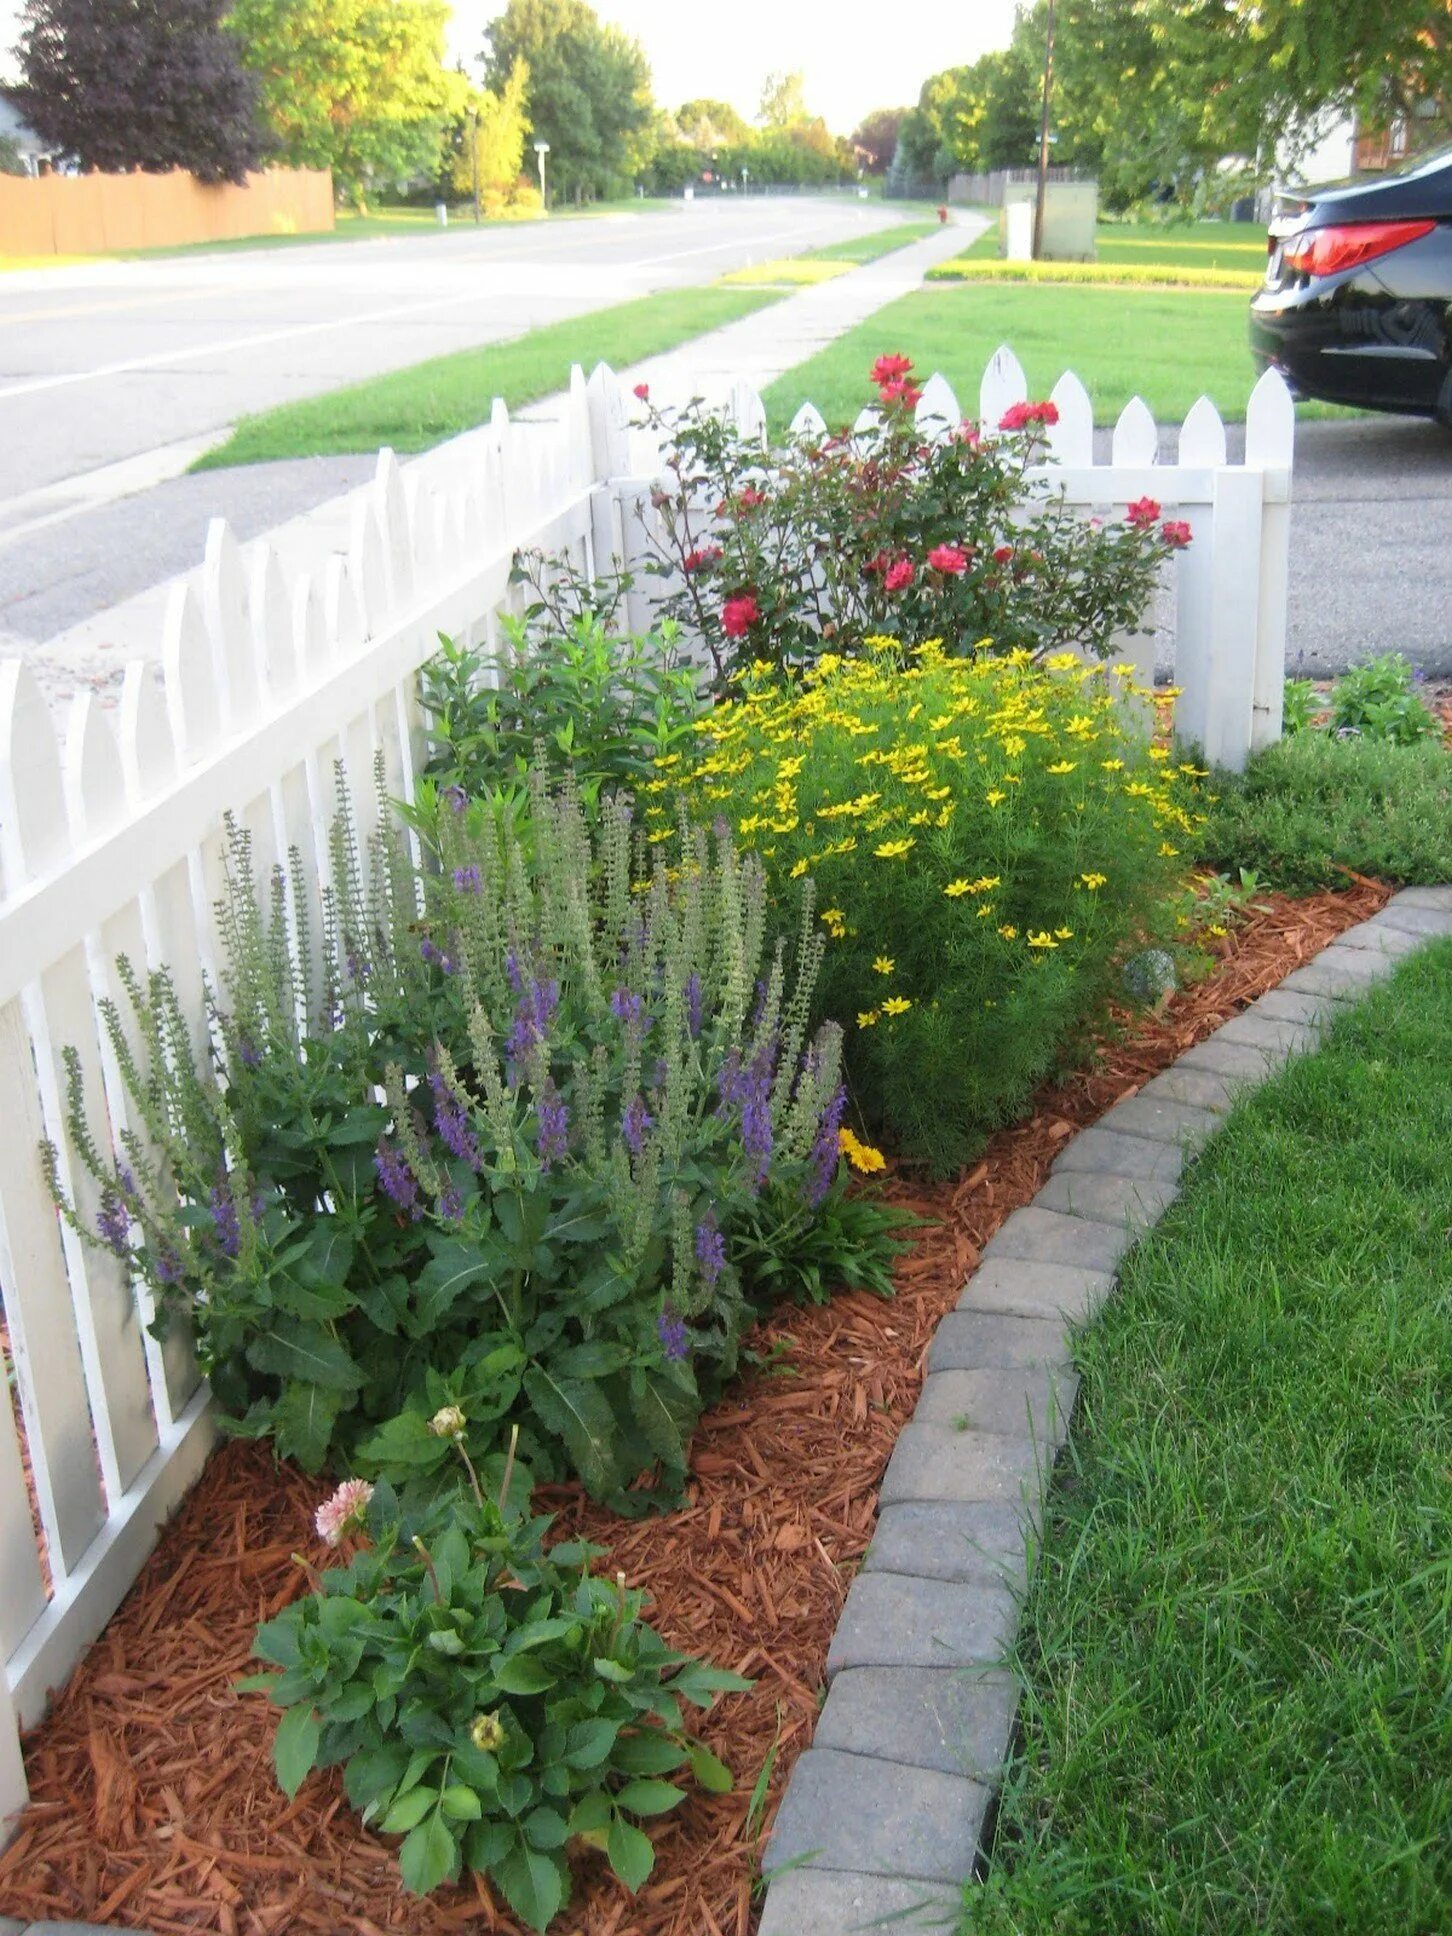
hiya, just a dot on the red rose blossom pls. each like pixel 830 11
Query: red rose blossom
pixel 642 390
pixel 1176 533
pixel 967 433
pixel 887 369
pixel 700 560
pixel 898 574
pixel 739 614
pixel 1002 554
pixel 1142 513
pixel 1020 416
pixel 948 558
pixel 748 499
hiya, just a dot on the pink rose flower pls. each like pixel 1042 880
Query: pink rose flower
pixel 898 574
pixel 642 390
pixel 1176 533
pixel 739 614
pixel 1142 513
pixel 948 558
pixel 1022 416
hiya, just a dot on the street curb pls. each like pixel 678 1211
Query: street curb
pixel 883 1815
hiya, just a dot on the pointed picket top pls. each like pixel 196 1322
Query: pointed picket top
pixel 577 425
pixel 95 782
pixel 1270 424
pixel 344 617
pixel 808 423
pixel 937 414
pixel 1071 439
pixel 33 832
pixel 271 624
pixel 148 748
pixel 193 705
pixel 1202 435
pixel 1136 436
pixel 391 508
pixel 499 421
pixel 747 412
pixel 868 424
pixel 365 563
pixel 224 609
pixel 609 422
pixel 1003 383
pixel 312 641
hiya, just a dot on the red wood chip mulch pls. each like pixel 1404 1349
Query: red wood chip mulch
pixel 154 1802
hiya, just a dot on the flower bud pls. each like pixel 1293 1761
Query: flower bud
pixel 448 1423
pixel 487 1733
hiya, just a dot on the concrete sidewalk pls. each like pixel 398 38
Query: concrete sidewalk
pixel 96 586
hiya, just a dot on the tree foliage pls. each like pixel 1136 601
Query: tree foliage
pixel 358 86
pixel 498 124
pixel 710 124
pixel 783 100
pixel 589 92
pixel 150 84
pixel 876 137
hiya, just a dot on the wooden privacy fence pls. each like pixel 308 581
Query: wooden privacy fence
pixel 91 214
pixel 111 842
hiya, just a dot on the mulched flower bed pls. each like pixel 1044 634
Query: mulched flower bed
pixel 154 1802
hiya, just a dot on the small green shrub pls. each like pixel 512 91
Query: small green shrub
pixel 1301 705
pixel 488 1701
pixel 1312 809
pixel 988 839
pixel 1378 700
pixel 505 1160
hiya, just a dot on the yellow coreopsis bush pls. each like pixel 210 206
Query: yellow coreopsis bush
pixel 989 838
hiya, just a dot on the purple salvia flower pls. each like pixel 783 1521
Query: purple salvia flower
pixel 397 1179
pixel 635 1124
pixel 451 1204
pixel 710 1250
pixel 825 1151
pixel 113 1224
pixel 759 1013
pixel 358 967
pixel 451 1119
pixel 512 970
pixel 628 1007
pixel 674 1338
pixel 456 797
pixel 167 1266
pixel 468 879
pixel 224 1220
pixel 428 951
pixel 756 1127
pixel 553 1123
pixel 532 1018
pixel 248 1052
pixel 693 1006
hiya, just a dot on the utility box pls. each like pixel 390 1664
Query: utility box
pixel 1071 210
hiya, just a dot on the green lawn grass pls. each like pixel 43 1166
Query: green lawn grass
pixel 1168 346
pixel 1237 1646
pixel 867 248
pixel 1311 806
pixel 421 405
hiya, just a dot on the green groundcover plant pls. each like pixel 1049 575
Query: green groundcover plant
pixel 488 1700
pixel 1376 700
pixel 497 1152
pixel 924 531
pixel 989 838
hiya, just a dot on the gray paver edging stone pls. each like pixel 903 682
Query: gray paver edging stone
pixel 882 1815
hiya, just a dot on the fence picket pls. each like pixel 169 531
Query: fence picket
pixel 390 504
pixel 1003 383
pixel 1270 438
pixel 937 413
pixel 808 424
pixel 1136 441
pixel 1071 439
pixel 273 642
pixel 235 655
pixel 190 677
pixel 1202 435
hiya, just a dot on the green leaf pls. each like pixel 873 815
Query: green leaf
pixel 589 1742
pixel 631 1854
pixel 665 1416
pixel 649 1797
pixel 545 1828
pixel 580 1414
pixel 522 1674
pixel 648 1753
pixel 295 1748
pixel 712 1774
pixel 461 1804
pixel 442 1281
pixel 306 1351
pixel 533 1884
pixel 428 1856
pixel 303 1421
pixel 408 1811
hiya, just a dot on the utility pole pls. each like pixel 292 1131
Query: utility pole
pixel 1043 184
pixel 542 148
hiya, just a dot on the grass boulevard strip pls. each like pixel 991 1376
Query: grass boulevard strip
pixel 1235 1646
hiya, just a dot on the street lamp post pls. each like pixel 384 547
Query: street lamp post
pixel 1043 182
pixel 541 149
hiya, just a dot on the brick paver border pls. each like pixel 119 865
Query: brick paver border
pixel 883 1816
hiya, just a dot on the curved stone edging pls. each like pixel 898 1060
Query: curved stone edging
pixel 883 1815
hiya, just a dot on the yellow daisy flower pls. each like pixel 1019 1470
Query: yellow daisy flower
pixel 896 1005
pixel 883 965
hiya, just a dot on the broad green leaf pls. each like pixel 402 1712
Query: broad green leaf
pixel 712 1774
pixel 545 1828
pixel 461 1804
pixel 589 1742
pixel 306 1351
pixel 533 1885
pixel 304 1417
pixel 522 1674
pixel 579 1413
pixel 649 1753
pixel 649 1797
pixel 428 1856
pixel 408 1811
pixel 295 1748
pixel 631 1854
pixel 446 1276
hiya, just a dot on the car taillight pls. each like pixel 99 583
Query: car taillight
pixel 1346 245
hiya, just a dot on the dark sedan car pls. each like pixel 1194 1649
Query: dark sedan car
pixel 1357 302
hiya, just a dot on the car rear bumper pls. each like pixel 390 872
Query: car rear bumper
pixel 1352 344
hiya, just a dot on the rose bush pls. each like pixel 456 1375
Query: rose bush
pixel 921 530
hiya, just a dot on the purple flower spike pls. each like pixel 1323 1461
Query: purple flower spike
pixel 249 1053
pixel 451 1205
pixel 224 1220
pixel 553 1123
pixel 628 1007
pixel 710 1250
pixel 113 1224
pixel 468 879
pixel 635 1124
pixel 398 1181
pixel 825 1153
pixel 456 797
pixel 674 1338
pixel 451 1119
pixel 693 1006
pixel 167 1266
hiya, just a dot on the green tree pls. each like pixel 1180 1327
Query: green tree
pixel 783 101
pixel 499 125
pixel 358 86
pixel 10 161
pixel 711 124
pixel 876 138
pixel 589 92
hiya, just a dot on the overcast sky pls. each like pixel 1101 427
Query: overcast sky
pixel 856 54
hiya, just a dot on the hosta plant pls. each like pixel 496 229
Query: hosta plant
pixel 497 1152
pixel 488 1700
pixel 925 531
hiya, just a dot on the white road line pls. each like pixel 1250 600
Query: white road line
pixel 36 385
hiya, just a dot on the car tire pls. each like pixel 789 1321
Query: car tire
pixel 1442 409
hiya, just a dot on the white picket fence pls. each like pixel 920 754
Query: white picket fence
pixel 272 666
